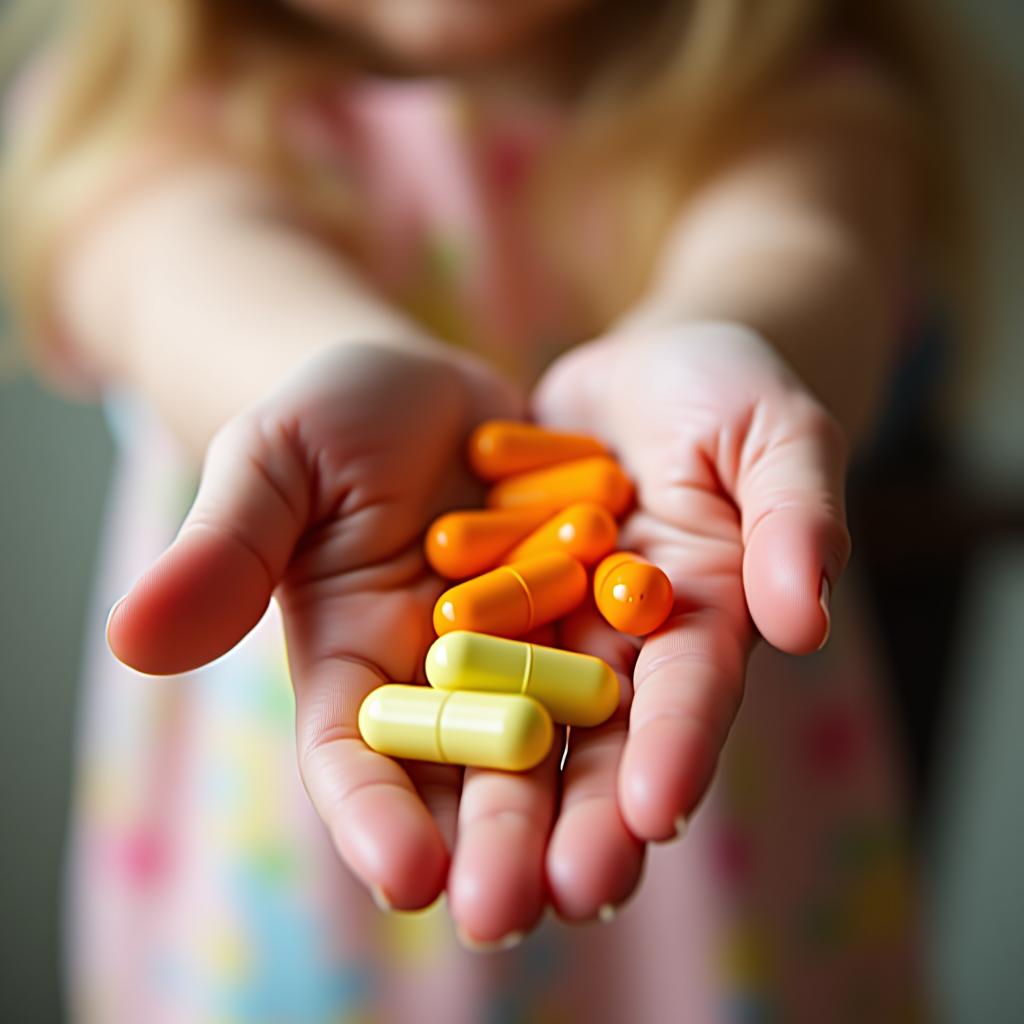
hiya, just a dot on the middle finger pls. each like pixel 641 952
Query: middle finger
pixel 496 888
pixel 594 861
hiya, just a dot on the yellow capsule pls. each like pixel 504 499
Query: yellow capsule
pixel 632 594
pixel 576 689
pixel 584 530
pixel 501 448
pixel 487 730
pixel 599 479
pixel 513 599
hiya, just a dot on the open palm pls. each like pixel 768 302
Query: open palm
pixel 739 476
pixel 320 496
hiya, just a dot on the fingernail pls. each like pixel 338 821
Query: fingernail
pixel 823 599
pixel 501 945
pixel 606 913
pixel 110 617
pixel 383 903
pixel 681 826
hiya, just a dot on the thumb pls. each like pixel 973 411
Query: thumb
pixel 214 582
pixel 796 543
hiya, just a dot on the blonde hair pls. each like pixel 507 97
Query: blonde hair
pixel 656 113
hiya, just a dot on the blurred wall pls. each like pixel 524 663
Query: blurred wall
pixel 977 844
pixel 54 462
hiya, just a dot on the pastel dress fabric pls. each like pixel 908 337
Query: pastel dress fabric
pixel 203 887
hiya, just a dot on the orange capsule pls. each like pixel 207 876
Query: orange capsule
pixel 584 530
pixel 461 544
pixel 632 594
pixel 501 448
pixel 598 479
pixel 513 599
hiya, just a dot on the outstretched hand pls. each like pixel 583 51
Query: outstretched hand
pixel 320 496
pixel 740 475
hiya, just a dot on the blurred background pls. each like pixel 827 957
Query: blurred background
pixel 939 525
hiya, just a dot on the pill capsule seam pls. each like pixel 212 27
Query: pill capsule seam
pixel 524 686
pixel 531 612
pixel 438 743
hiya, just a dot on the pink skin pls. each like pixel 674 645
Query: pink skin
pixel 320 496
pixel 740 482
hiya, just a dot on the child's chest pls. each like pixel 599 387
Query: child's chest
pixel 446 224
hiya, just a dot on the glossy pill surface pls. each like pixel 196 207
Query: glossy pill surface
pixel 633 595
pixel 488 730
pixel 501 448
pixel 584 530
pixel 600 480
pixel 461 544
pixel 513 599
pixel 576 689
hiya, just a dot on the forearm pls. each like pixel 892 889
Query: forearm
pixel 814 299
pixel 807 241
pixel 200 294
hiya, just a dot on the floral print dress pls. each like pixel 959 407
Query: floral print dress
pixel 203 888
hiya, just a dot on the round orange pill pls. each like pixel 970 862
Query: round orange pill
pixel 461 544
pixel 501 448
pixel 600 480
pixel 584 530
pixel 633 595
pixel 513 599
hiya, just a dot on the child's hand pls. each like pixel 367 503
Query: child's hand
pixel 320 495
pixel 739 476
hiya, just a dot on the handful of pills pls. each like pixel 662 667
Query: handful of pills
pixel 551 514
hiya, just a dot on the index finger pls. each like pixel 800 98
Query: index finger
pixel 689 675
pixel 688 685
